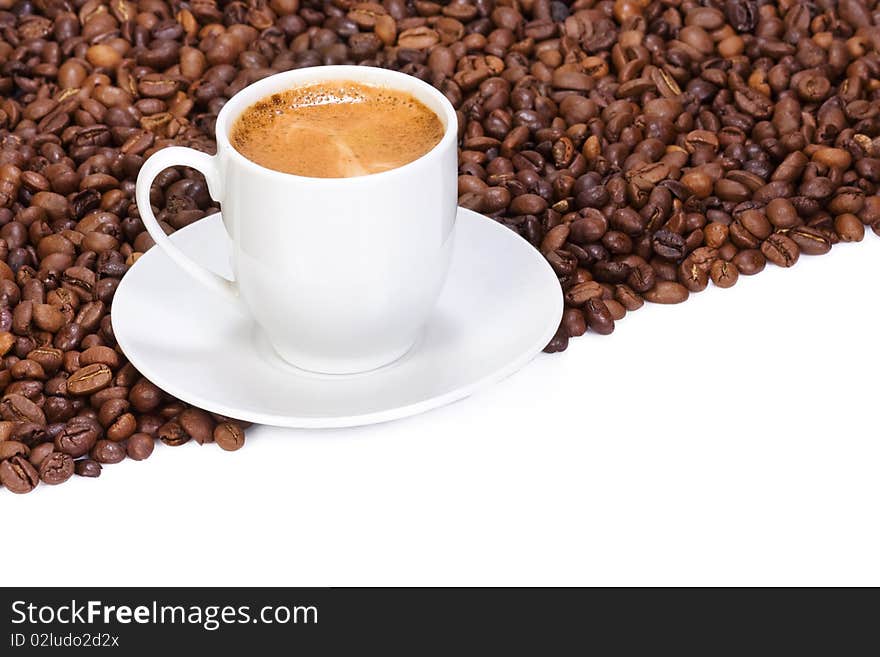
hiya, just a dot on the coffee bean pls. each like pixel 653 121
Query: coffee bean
pixel 611 271
pixel 528 204
pixel 29 433
pixel 69 337
pixel 715 234
pixel 627 221
pixel 39 453
pixel 641 277
pixel 667 292
pixel 780 250
pixel 145 396
pixel 559 342
pixel 588 228
pixel 47 317
pixel 724 274
pixel 49 358
pixel 755 222
pixel 100 356
pixel 598 317
pixel 18 475
pixel 615 308
pixel 703 257
pixel 87 468
pixel 56 468
pixel 750 262
pixel 17 408
pixel 124 426
pixel 106 451
pixel 229 436
pixel 78 436
pixel 627 297
pixel 810 241
pixel 669 245
pixel 89 379
pixel 79 280
pixel 10 448
pixel 732 191
pixel 27 369
pixel 110 409
pixel 139 446
pixel 849 228
pixel 171 433
pixel 583 292
pixel 197 424
pixel 574 322
pixel 693 275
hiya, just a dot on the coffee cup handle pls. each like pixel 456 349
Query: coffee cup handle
pixel 205 164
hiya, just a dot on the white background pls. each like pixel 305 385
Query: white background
pixel 732 440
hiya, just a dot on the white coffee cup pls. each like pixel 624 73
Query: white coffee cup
pixel 340 273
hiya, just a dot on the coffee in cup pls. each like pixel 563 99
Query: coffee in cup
pixel 336 130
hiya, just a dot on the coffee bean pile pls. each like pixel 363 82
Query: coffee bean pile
pixel 646 148
pixel 660 146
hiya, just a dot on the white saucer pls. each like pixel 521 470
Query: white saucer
pixel 499 308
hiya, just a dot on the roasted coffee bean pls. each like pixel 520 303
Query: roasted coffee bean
pixel 742 14
pixel 849 228
pixel 69 337
pixel 715 234
pixel 598 317
pixel 56 468
pixel 693 275
pixel 750 261
pixel 49 358
pixel 171 433
pixel 724 274
pixel 782 213
pixel 18 475
pixel 198 424
pixel 229 436
pixel 558 343
pixel 111 409
pixel 16 408
pixel 89 379
pixel 588 228
pixel 87 468
pixel 27 369
pixel 78 436
pixel 29 389
pixel 611 271
pixel 106 451
pixel 583 292
pixel 139 446
pixel 99 356
pixel 572 319
pixel 39 453
pixel 144 396
pixel 616 309
pixel 669 245
pixel 124 426
pixel 10 448
pixel 780 250
pixel 29 433
pixel 641 277
pixel 667 292
pixel 703 257
pixel 810 241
